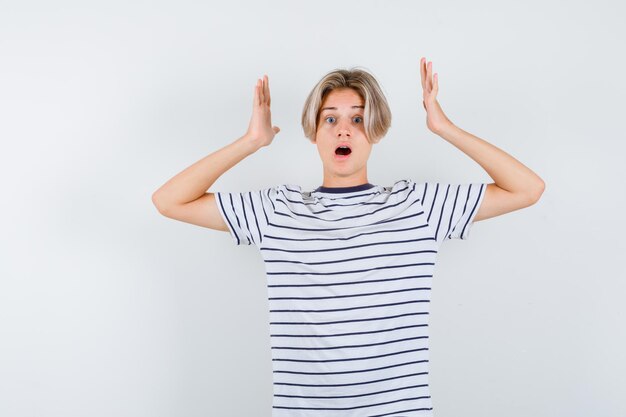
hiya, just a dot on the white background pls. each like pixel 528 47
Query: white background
pixel 108 308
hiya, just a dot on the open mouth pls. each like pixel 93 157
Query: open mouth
pixel 343 150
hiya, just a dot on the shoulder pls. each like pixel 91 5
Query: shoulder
pixel 404 186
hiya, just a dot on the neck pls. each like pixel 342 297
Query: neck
pixel 358 178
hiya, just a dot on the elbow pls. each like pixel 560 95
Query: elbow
pixel 158 203
pixel 535 195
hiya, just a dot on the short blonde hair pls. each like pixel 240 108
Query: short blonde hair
pixel 377 115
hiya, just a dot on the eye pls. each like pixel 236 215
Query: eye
pixel 355 117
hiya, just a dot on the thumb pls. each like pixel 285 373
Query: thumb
pixel 276 129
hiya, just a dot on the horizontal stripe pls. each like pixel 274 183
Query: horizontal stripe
pixel 348 372
pixel 350 346
pixel 319 334
pixel 349 275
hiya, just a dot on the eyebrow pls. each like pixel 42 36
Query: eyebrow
pixel 335 108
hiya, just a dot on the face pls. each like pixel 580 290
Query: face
pixel 341 122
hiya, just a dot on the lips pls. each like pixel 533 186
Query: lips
pixel 340 157
pixel 340 149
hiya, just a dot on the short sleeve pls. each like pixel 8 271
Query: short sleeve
pixel 451 208
pixel 247 214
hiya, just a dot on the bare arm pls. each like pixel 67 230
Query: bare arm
pixel 515 185
pixel 184 197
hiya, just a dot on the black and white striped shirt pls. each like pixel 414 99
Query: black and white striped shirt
pixel 349 274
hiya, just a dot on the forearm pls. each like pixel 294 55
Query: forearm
pixel 195 180
pixel 507 172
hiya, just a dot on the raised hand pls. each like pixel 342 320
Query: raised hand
pixel 436 120
pixel 260 130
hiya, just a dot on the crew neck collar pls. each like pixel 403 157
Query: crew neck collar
pixel 350 189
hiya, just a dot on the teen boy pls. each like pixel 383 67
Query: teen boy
pixel 349 265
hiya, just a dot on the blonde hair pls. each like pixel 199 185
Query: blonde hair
pixel 377 115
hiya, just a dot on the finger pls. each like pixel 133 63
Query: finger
pixel 267 89
pixel 429 75
pixel 264 83
pixel 262 90
pixel 255 102
pixel 436 83
pixel 423 70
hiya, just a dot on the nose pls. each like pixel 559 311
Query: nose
pixel 343 130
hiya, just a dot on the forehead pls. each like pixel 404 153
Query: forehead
pixel 342 98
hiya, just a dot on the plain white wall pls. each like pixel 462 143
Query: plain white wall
pixel 108 308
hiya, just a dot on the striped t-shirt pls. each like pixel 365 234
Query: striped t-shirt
pixel 349 275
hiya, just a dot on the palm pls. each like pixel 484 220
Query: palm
pixel 260 128
pixel 436 120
